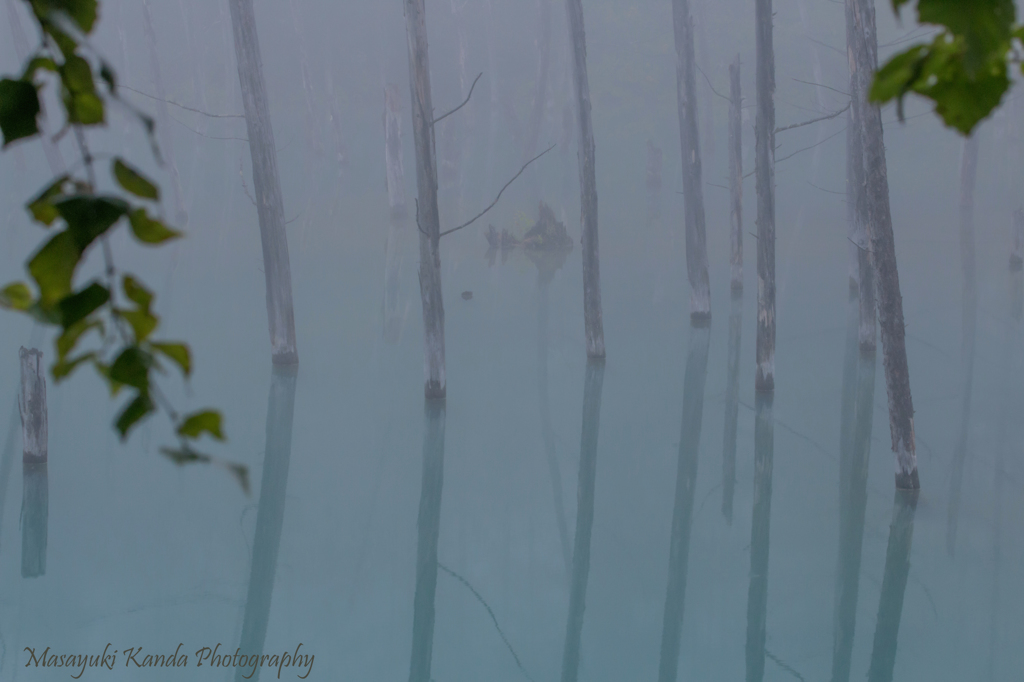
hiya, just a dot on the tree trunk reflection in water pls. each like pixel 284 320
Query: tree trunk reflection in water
pixel 584 518
pixel 894 585
pixel 682 511
pixel 732 405
pixel 35 507
pixel 757 596
pixel 394 312
pixel 854 450
pixel 428 529
pixel 270 515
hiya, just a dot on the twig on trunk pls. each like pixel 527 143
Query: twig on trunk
pixel 439 118
pixel 422 231
pixel 481 213
pixel 815 120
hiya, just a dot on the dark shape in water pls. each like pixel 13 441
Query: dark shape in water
pixel 428 530
pixel 682 512
pixel 270 514
pixel 547 234
pixel 584 518
pixel 35 506
pixel 466 295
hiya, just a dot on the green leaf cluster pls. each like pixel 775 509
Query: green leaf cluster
pixel 965 69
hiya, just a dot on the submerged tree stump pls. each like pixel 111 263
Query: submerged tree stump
pixel 32 403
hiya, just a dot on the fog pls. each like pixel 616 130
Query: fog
pixel 644 516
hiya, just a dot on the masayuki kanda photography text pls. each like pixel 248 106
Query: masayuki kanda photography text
pixel 287 662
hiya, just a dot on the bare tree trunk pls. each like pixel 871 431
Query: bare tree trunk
pixel 267 184
pixel 584 518
pixel 693 192
pixel 428 530
pixel 854 451
pixel 1017 255
pixel 167 146
pixel 540 94
pixel 35 512
pixel 757 595
pixel 32 403
pixel 701 45
pixel 588 185
pixel 394 315
pixel 427 218
pixel 270 514
pixel 682 512
pixel 732 406
pixel 736 174
pixel 968 175
pixel 393 151
pixel 894 586
pixel 854 183
pixel 883 254
pixel 764 166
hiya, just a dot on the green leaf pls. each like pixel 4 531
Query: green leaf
pixel 88 216
pixel 198 422
pixel 42 207
pixel 132 368
pixel 85 108
pixel 149 230
pixel 136 292
pixel 81 304
pixel 185 455
pixel 36 63
pixel 142 322
pixel 177 352
pixel 53 266
pixel 76 74
pixel 241 474
pixel 67 341
pixel 16 296
pixel 64 367
pixel 104 371
pixel 108 75
pixel 19 107
pixel 984 25
pixel 133 412
pixel 134 182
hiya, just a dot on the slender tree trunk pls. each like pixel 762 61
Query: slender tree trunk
pixel 32 403
pixel 428 531
pixel 427 218
pixel 854 451
pixel 393 151
pixel 693 191
pixel 736 174
pixel 540 94
pixel 757 595
pixel 394 315
pixel 701 45
pixel 894 587
pixel 764 166
pixel 883 254
pixel 1017 255
pixel 682 512
pixel 270 514
pixel 854 185
pixel 732 406
pixel 968 174
pixel 267 184
pixel 592 316
pixel 592 386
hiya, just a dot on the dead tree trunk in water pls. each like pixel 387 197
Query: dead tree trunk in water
pixel 584 518
pixel 764 166
pixel 588 184
pixel 393 151
pixel 35 512
pixel 541 93
pixel 267 184
pixel 736 174
pixel 682 512
pixel 32 403
pixel 689 142
pixel 862 272
pixel 427 218
pixel 757 595
pixel 732 406
pixel 883 253
pixel 1017 255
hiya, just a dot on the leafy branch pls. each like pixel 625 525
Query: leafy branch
pixel 116 310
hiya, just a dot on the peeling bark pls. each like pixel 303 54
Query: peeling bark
pixel 427 217
pixel 693 192
pixel 266 182
pixel 764 166
pixel 592 316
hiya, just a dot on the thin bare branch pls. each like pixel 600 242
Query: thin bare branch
pixel 843 129
pixel 710 85
pixel 481 213
pixel 438 119
pixel 819 85
pixel 180 106
pixel 834 49
pixel 814 120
